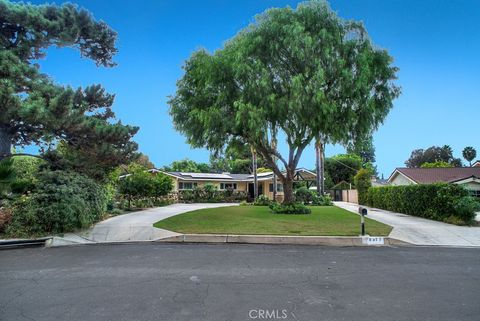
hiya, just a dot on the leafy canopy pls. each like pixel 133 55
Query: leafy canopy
pixel 304 72
pixel 437 164
pixel 432 155
pixel 187 165
pixel 342 167
pixel 141 183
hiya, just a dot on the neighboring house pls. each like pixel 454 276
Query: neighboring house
pixel 469 177
pixel 476 164
pixel 236 182
pixel 376 182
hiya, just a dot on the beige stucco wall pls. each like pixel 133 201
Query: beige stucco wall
pixel 473 186
pixel 399 179
pixel 266 190
pixel 241 186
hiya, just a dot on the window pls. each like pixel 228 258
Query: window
pixel 231 186
pixel 475 193
pixel 279 187
pixel 186 185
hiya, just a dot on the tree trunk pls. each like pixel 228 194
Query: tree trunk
pixel 5 143
pixel 255 178
pixel 320 160
pixel 288 196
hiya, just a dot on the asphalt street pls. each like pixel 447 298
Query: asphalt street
pixel 239 282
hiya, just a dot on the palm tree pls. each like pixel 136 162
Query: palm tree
pixel 469 153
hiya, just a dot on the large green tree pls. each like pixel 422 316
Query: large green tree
pixel 188 166
pixel 304 73
pixel 35 110
pixel 342 167
pixel 433 154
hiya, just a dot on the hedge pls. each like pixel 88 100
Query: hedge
pixel 442 202
pixel 208 194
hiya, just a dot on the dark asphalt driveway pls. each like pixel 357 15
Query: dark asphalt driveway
pixel 239 282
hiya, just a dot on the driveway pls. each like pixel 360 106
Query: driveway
pixel 138 226
pixel 420 231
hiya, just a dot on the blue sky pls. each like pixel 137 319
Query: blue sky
pixel 435 44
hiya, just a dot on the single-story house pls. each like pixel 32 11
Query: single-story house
pixel 476 164
pixel 236 182
pixel 469 177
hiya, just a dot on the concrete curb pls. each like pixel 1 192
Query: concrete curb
pixel 278 239
pixel 247 239
pixel 18 243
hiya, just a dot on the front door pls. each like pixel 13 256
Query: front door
pixel 250 192
pixel 251 195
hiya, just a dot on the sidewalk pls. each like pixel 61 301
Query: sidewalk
pixel 420 231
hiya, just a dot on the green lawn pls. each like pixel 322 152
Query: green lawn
pixel 324 220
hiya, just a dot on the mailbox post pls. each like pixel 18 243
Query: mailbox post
pixel 363 212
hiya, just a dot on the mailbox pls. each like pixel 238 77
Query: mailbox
pixel 362 210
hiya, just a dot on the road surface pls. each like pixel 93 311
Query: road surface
pixel 239 282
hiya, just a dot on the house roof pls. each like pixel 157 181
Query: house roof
pixel 437 175
pixel 477 163
pixel 230 177
pixel 209 176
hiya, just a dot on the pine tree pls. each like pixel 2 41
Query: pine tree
pixel 35 110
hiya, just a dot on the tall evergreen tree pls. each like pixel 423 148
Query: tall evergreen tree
pixel 33 109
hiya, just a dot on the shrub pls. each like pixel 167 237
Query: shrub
pixel 7 175
pixel 307 196
pixel 363 181
pixel 325 200
pixel 61 202
pixel 304 195
pixel 5 217
pixel 439 201
pixel 262 200
pixel 142 189
pixel 465 208
pixel 115 212
pixel 291 208
pixel 209 194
